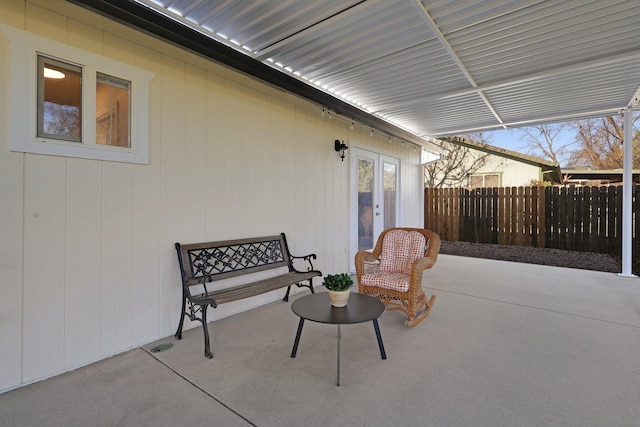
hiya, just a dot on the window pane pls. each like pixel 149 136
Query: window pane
pixel 491 181
pixel 59 100
pixel 476 181
pixel 112 111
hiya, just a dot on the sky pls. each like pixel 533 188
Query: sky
pixel 509 139
pixel 514 139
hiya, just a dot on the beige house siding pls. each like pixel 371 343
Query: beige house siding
pixel 512 172
pixel 514 169
pixel 87 263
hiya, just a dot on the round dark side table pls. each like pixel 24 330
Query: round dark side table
pixel 318 308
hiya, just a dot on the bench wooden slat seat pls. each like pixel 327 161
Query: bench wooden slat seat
pixel 255 288
pixel 204 263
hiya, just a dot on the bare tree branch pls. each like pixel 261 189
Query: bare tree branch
pixel 600 143
pixel 458 164
pixel 543 141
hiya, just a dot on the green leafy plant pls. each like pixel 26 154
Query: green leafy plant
pixel 337 282
pixel 538 183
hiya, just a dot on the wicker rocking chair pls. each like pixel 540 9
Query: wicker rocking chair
pixel 393 271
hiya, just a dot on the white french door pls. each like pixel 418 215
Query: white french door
pixel 374 197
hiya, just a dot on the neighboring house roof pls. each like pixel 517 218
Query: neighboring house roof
pixel 604 175
pixel 550 169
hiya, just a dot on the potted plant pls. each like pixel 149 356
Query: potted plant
pixel 338 286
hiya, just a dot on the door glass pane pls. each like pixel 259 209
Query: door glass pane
pixel 59 100
pixel 390 194
pixel 365 204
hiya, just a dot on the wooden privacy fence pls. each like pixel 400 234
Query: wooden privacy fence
pixel 586 219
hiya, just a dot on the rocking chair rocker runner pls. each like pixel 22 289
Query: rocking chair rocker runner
pixel 393 271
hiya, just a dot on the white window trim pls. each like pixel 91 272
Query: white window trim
pixel 24 48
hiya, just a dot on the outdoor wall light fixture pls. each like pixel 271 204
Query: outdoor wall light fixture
pixel 341 148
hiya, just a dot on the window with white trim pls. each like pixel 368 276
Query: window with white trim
pixel 69 102
pixel 487 180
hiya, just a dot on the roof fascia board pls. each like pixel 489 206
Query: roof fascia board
pixel 547 167
pixel 596 172
pixel 497 151
pixel 507 154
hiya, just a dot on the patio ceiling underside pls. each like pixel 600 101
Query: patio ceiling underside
pixel 435 68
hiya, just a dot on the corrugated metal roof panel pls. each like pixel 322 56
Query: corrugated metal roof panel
pixel 441 67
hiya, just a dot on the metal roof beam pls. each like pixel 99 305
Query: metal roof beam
pixel 521 123
pixel 454 55
pixel 635 99
pixel 568 69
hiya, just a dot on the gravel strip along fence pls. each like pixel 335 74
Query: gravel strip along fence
pixel 544 256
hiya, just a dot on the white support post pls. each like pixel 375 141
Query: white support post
pixel 627 185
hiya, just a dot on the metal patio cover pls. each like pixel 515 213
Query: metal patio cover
pixel 433 68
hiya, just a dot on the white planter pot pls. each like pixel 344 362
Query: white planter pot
pixel 338 298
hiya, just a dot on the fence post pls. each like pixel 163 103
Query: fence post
pixel 540 216
pixel 618 240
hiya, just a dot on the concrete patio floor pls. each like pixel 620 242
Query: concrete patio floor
pixel 506 344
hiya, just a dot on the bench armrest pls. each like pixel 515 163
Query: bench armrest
pixel 306 258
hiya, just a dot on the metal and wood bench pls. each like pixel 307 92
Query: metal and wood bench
pixel 201 264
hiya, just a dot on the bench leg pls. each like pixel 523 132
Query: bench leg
pixel 181 324
pixel 207 350
pixel 300 285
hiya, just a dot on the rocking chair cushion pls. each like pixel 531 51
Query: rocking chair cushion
pixel 394 281
pixel 400 249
